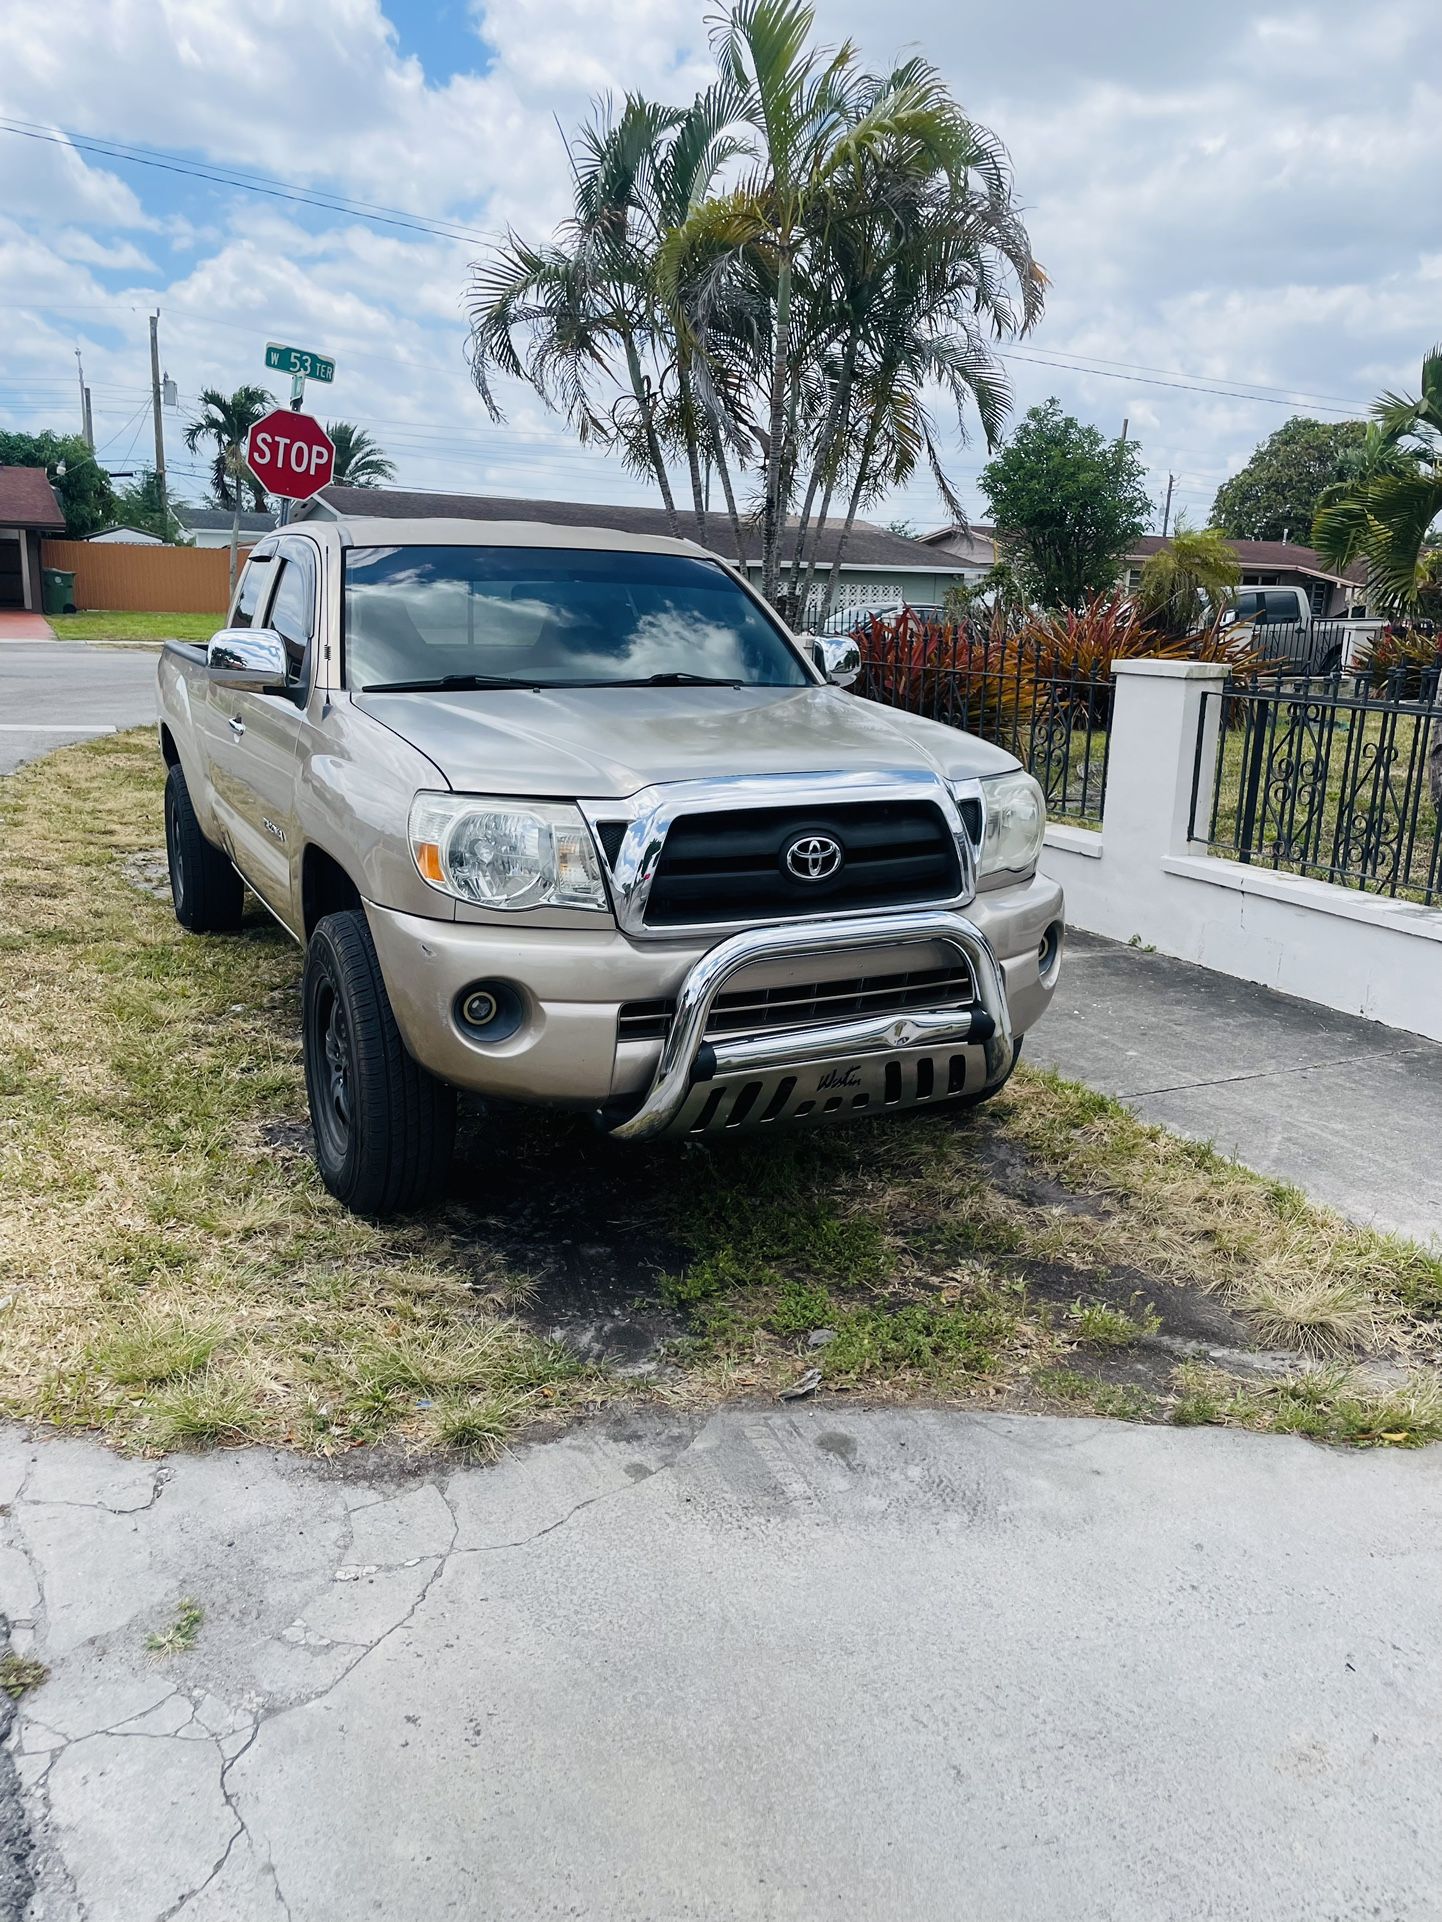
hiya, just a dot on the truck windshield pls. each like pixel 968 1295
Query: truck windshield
pixel 553 617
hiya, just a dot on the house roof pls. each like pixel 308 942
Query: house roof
pixel 27 499
pixel 869 547
pixel 124 527
pixel 220 518
pixel 954 530
pixel 1281 556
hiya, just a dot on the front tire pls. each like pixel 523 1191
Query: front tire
pixel 384 1127
pixel 209 895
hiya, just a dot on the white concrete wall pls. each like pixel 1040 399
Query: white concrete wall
pixel 1141 877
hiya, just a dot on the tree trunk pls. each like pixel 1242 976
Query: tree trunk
pixel 723 468
pixel 862 465
pixel 693 452
pixel 234 516
pixel 653 445
pixel 775 465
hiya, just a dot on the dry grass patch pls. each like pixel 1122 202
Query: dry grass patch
pixel 172 1272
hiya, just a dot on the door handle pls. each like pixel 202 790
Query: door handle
pixel 237 726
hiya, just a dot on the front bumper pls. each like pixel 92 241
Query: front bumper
pixel 573 981
pixel 883 1060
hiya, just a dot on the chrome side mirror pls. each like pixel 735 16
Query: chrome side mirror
pixel 251 660
pixel 838 657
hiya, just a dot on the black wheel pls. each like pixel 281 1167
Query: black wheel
pixel 209 895
pixel 985 1094
pixel 384 1127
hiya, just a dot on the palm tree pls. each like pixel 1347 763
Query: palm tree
pixel 584 303
pixel 1385 515
pixel 225 420
pixel 359 461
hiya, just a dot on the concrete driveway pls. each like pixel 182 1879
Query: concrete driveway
pixel 55 692
pixel 814 1665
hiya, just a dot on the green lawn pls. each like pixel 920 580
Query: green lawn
pixel 104 629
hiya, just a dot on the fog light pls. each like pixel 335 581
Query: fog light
pixel 489 1010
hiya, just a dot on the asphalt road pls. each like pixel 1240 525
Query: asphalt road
pixel 769 1667
pixel 55 692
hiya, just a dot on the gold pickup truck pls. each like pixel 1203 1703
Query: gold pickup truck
pixel 568 816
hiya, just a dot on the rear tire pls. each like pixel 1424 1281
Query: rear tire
pixel 384 1127
pixel 209 895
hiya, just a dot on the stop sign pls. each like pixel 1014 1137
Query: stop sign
pixel 290 454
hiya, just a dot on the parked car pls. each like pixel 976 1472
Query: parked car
pixel 854 620
pixel 1285 629
pixel 571 818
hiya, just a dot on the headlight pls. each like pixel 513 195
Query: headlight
pixel 505 854
pixel 1015 810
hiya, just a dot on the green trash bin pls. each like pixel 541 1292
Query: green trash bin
pixel 57 590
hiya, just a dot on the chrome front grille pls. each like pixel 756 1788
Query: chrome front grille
pixel 809 1004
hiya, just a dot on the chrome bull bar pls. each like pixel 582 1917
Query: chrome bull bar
pixel 689 1063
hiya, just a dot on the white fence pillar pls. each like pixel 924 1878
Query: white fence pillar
pixel 1152 756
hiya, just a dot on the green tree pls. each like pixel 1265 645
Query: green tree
pixel 1187 582
pixel 359 460
pixel 139 505
pixel 85 491
pixel 1386 514
pixel 224 421
pixel 1275 496
pixel 1068 503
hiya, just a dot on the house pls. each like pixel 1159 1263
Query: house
pixel 28 512
pixel 1275 564
pixel 128 536
pixel 973 547
pixel 879 567
pixel 210 526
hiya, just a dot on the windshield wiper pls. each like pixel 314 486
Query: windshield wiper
pixel 676 679
pixel 465 682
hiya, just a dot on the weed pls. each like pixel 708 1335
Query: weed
pixel 1100 1326
pixel 1325 1404
pixel 20 1673
pixel 477 1427
pixel 183 1632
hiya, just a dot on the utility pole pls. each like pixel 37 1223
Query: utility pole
pixel 86 434
pixel 1167 510
pixel 159 426
pixel 1126 423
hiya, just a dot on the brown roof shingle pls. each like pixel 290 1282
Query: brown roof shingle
pixel 27 499
pixel 868 546
pixel 1273 554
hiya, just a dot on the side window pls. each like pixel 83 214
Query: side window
pixel 254 583
pixel 1247 606
pixel 292 615
pixel 1281 606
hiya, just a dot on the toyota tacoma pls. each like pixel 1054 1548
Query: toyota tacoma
pixel 568 816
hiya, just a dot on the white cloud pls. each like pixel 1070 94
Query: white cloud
pixel 1241 195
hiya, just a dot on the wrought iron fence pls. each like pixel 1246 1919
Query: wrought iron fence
pixel 1005 689
pixel 1338 777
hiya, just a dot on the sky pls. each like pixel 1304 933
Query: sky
pixel 1235 197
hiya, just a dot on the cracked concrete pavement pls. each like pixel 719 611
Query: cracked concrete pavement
pixel 820 1663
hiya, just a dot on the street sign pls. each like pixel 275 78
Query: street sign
pixel 290 454
pixel 299 360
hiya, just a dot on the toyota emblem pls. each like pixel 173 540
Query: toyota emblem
pixel 813 857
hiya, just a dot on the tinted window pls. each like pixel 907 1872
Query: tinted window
pixel 254 584
pixel 1247 605
pixel 553 616
pixel 292 616
pixel 1280 607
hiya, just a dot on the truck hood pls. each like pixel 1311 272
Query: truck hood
pixel 607 742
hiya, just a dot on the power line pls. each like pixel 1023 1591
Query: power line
pixel 1188 387
pixel 247 183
